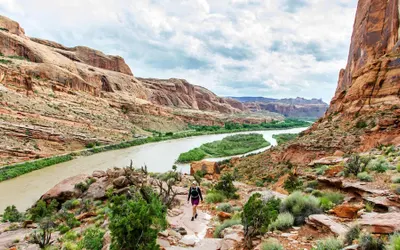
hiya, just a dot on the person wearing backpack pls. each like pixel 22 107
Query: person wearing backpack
pixel 195 194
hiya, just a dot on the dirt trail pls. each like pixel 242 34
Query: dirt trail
pixel 196 230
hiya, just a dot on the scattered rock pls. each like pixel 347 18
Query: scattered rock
pixel 347 210
pixel 322 220
pixel 65 190
pixel 386 223
pixel 224 216
pixel 120 182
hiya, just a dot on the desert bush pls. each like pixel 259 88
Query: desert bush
pixel 321 170
pixel 42 236
pixel 214 197
pixel 225 207
pixel 398 167
pixel 354 165
pixel 292 183
pixel 92 239
pixel 257 215
pixel 312 184
pixel 271 244
pixel 317 193
pixel 71 204
pixel 69 219
pixel 364 176
pixel 369 207
pixel 378 165
pixel 396 179
pixel 226 187
pixel 135 223
pixel 69 245
pixel 11 214
pixel 63 228
pixel 329 244
pixel 329 199
pixel 394 242
pixel 352 234
pixel 369 242
pixel 300 206
pixel 282 222
pixel 42 210
pixel 225 224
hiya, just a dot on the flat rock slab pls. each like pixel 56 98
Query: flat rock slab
pixel 363 187
pixel 328 222
pixel 205 244
pixel 386 223
pixel 330 160
pixel 7 238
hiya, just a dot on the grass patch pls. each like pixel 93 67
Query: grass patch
pixel 282 138
pixel 5 61
pixel 271 244
pixel 329 244
pixel 283 222
pixel 225 224
pixel 230 145
pixel 330 199
pixel 214 197
pixel 13 171
pixel 300 206
pixel 364 176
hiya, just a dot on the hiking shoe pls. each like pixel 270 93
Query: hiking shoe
pixel 192 218
pixel 195 216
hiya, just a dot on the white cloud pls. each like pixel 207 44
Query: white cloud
pixel 276 48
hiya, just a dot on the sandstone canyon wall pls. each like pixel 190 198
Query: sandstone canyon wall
pixel 365 111
pixel 55 99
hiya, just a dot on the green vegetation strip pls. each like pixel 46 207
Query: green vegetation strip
pixel 230 145
pixel 12 171
pixel 282 138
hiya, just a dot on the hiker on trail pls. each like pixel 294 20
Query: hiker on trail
pixel 195 193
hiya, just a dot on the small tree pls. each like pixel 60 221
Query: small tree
pixel 42 237
pixel 11 214
pixel 134 224
pixel 257 216
pixel 225 186
pixel 42 210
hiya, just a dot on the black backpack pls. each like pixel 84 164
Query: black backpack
pixel 194 192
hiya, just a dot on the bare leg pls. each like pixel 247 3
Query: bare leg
pixel 194 210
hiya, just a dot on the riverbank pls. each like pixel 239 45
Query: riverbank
pixel 15 170
pixel 228 146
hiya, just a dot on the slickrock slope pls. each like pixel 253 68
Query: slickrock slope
pixel 365 111
pixel 298 107
pixel 56 99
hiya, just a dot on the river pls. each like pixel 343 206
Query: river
pixel 24 190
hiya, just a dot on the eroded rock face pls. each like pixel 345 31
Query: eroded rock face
pixel 65 190
pixel 11 26
pixel 207 167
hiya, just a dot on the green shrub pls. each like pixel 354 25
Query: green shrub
pixel 69 246
pixel 369 242
pixel 330 199
pixel 226 187
pixel 257 215
pixel 378 165
pixel 63 229
pixel 11 214
pixel 214 197
pixel 396 179
pixel 92 239
pixel 300 206
pixel 260 183
pixel 69 219
pixel 312 184
pixel 282 222
pixel 398 167
pixel 5 61
pixel 71 204
pixel 134 224
pixel 329 244
pixel 70 236
pixel 361 124
pixel 42 210
pixel 225 224
pixel 352 234
pixel 292 183
pixel 354 165
pixel 225 207
pixel 394 242
pixel 321 170
pixel 271 244
pixel 317 193
pixel 192 155
pixel 364 176
pixel 369 207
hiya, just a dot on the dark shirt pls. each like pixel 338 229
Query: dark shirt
pixel 193 192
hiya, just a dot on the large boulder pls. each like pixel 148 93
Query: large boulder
pixel 386 223
pixel 347 210
pixel 98 189
pixel 208 167
pixel 65 190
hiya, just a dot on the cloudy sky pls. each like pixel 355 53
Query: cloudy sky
pixel 271 48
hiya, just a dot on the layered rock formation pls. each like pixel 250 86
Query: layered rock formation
pixel 296 108
pixel 56 99
pixel 365 111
